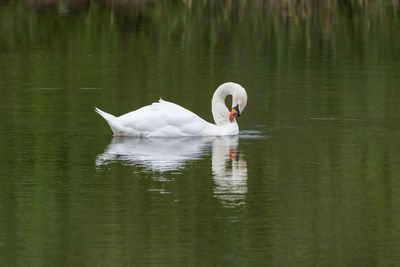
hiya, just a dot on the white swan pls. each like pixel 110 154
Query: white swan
pixel 166 119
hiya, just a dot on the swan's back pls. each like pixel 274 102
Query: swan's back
pixel 162 119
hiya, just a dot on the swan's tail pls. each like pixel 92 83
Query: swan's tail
pixel 112 121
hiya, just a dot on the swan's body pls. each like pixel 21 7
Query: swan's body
pixel 166 119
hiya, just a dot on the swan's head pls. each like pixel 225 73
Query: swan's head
pixel 234 113
pixel 239 101
pixel 221 113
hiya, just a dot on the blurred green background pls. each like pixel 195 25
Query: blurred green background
pixel 319 144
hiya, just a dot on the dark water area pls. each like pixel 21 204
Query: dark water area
pixel 313 178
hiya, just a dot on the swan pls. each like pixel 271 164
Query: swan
pixel 166 119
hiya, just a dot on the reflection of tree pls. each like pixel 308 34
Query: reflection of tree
pixel 215 21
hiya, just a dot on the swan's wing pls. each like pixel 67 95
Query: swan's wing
pixel 164 118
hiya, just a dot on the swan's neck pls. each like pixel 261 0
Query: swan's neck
pixel 219 110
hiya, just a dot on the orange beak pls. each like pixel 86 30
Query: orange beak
pixel 233 114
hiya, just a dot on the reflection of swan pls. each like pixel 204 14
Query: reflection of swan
pixel 165 119
pixel 230 183
pixel 157 154
pixel 168 154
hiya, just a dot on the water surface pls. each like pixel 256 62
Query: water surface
pixel 312 179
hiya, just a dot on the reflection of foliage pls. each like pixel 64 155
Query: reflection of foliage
pixel 214 22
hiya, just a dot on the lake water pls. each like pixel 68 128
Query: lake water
pixel 313 178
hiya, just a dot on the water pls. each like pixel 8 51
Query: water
pixel 312 179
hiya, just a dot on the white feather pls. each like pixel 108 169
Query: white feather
pixel 166 119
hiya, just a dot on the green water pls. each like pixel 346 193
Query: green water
pixel 312 180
